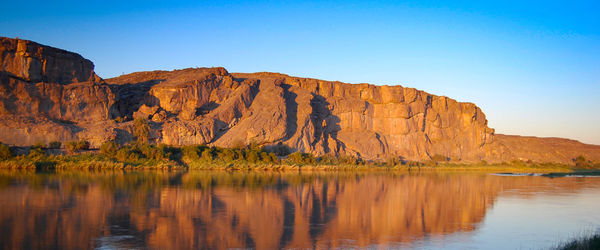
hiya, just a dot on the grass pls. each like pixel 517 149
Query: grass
pixel 583 243
pixel 82 161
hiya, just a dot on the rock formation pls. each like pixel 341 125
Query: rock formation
pixel 49 94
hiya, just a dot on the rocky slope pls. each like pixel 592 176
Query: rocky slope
pixel 50 94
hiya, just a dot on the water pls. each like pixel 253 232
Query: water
pixel 267 210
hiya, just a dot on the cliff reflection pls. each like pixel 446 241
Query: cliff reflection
pixel 74 210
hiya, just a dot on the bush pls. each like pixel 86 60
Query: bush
pixel 54 144
pixel 302 158
pixel 274 158
pixel 76 146
pixel 39 145
pixel 252 156
pixel 152 152
pixel 109 148
pixel 141 130
pixel 5 152
pixel 167 151
pixel 35 152
pixel 268 157
pixel 127 154
pixel 227 155
pixel 390 162
pixel 207 155
pixel 350 160
pixel 190 153
pixel 328 160
pixel 581 162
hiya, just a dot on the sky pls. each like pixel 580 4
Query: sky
pixel 533 67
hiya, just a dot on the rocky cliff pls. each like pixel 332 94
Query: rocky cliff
pixel 49 94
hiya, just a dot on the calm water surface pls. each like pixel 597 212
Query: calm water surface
pixel 182 210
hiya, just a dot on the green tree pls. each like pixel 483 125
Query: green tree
pixel 252 156
pixel 227 155
pixel 581 162
pixel 5 152
pixel 127 154
pixel 39 145
pixel 109 148
pixel 190 153
pixel 153 152
pixel 141 130
pixel 207 155
pixel 76 146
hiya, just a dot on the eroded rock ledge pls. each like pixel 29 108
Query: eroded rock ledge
pixel 49 94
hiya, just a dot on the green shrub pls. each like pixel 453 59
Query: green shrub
pixel 76 146
pixel 581 162
pixel 35 152
pixel 54 144
pixel 5 152
pixel 273 158
pixel 109 148
pixel 349 159
pixel 152 152
pixel 190 153
pixel 141 130
pixel 392 161
pixel 167 151
pixel 301 158
pixel 38 145
pixel 207 155
pixel 252 156
pixel 127 154
pixel 328 160
pixel 264 156
pixel 227 155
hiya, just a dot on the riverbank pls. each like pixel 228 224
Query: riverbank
pixel 251 157
pixel 94 160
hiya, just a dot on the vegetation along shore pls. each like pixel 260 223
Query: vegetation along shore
pixel 142 155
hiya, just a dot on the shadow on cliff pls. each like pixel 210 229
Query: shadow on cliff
pixel 131 96
pixel 325 123
pixel 291 107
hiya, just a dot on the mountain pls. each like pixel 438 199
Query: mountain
pixel 49 94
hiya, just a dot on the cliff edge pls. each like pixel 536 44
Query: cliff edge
pixel 48 94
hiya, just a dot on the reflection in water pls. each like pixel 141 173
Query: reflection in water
pixel 75 210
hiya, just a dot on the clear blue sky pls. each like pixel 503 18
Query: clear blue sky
pixel 532 66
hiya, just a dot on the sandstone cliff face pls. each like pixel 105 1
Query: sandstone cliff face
pixel 211 106
pixel 47 94
pixel 33 62
pixel 50 94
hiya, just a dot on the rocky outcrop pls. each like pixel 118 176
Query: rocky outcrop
pixel 33 62
pixel 50 94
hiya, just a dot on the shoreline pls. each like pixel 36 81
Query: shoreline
pixel 99 162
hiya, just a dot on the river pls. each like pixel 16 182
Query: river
pixel 272 210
